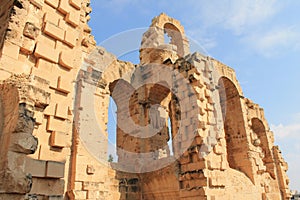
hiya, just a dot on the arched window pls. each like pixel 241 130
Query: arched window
pixel 170 141
pixel 259 129
pixel 167 38
pixel 112 131
pixel 173 35
pixel 234 127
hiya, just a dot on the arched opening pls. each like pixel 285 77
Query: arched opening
pixel 143 111
pixel 173 35
pixel 234 127
pixel 112 131
pixel 260 139
pixel 149 111
pixel 159 98
pixel 167 38
pixel 170 140
pixel 141 118
pixel 120 91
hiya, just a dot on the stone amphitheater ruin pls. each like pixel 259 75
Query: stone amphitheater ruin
pixel 55 89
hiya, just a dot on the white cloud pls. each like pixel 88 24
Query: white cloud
pixel 274 42
pixel 234 15
pixel 245 14
pixel 247 21
pixel 200 42
pixel 282 131
pixel 289 131
pixel 253 23
pixel 287 137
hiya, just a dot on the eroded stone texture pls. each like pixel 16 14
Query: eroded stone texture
pixel 54 96
pixel 17 140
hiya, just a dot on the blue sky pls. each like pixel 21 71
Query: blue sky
pixel 260 39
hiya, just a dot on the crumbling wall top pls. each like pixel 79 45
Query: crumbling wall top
pixel 161 20
pixel 155 48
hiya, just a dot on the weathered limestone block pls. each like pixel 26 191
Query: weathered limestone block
pixel 71 37
pixel 31 31
pixel 52 18
pixel 25 122
pixel 23 143
pixel 66 59
pixel 11 50
pixel 45 153
pixel 53 3
pixel 11 197
pixel 73 18
pixel 64 7
pixel 14 179
pixel 48 187
pixel 47 52
pixel 37 3
pixel 19 126
pixel 57 139
pixel 64 84
pixel 55 169
pixel 54 31
pixel 238 162
pixel 28 46
pixel 80 194
pixel 55 197
pixel 37 168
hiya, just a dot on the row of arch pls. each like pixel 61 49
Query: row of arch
pixel 235 125
pixel 237 140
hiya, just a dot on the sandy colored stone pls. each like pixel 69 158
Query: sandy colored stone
pixel 37 3
pixel 55 169
pixel 54 31
pixel 66 59
pixel 46 52
pixel 53 3
pixel 57 139
pixel 11 50
pixel 73 18
pixel 54 137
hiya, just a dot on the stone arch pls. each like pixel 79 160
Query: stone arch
pixel 16 141
pixel 120 90
pixel 262 141
pixel 8 117
pixel 148 107
pixel 153 47
pixel 160 97
pixel 138 108
pixel 176 37
pixel 234 127
pixel 158 92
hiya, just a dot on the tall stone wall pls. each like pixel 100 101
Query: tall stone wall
pixel 54 95
pixel 46 42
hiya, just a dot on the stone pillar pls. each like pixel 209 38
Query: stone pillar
pixel 19 99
